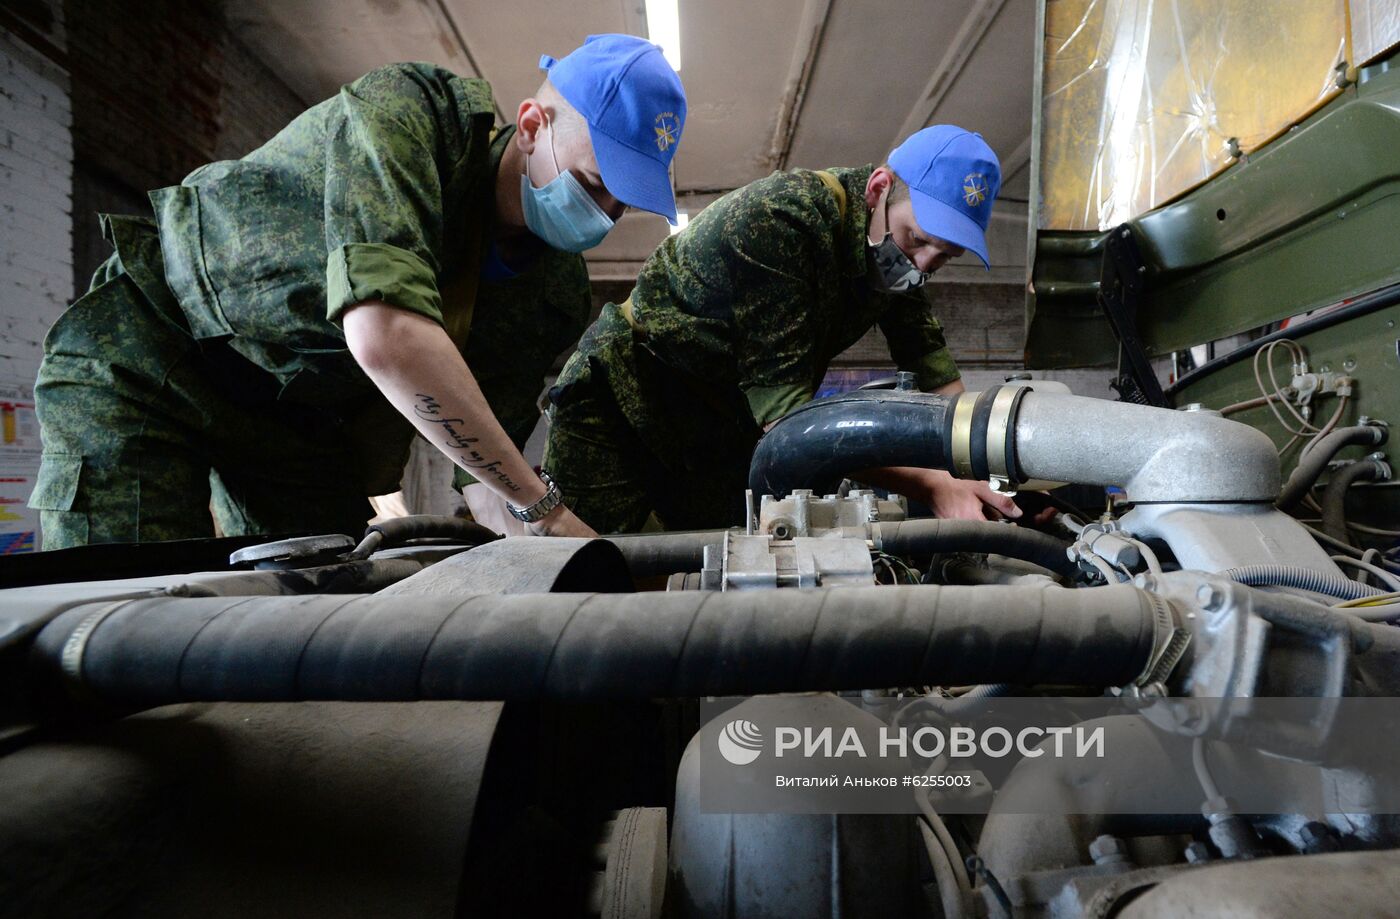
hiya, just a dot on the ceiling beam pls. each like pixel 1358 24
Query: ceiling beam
pixel 970 34
pixel 811 32
pixel 1018 159
pixel 439 11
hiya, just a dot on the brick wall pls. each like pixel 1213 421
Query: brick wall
pixel 36 182
pixel 160 87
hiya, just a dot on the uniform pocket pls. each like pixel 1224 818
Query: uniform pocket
pixel 57 485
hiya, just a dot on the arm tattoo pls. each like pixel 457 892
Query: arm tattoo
pixel 429 410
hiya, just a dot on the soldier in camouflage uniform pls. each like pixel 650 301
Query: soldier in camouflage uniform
pixel 734 321
pixel 268 345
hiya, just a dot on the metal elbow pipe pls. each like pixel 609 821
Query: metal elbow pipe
pixel 1156 455
pixel 1019 435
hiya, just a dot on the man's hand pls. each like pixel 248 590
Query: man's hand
pixel 966 499
pixel 950 498
pixel 419 370
pixel 560 522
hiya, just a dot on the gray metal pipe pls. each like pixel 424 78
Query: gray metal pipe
pixel 1021 434
pixel 149 652
pixel 1154 454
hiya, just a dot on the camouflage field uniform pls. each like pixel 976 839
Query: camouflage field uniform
pixel 733 323
pixel 207 364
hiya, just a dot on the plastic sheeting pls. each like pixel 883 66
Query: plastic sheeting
pixel 1144 99
pixel 1375 28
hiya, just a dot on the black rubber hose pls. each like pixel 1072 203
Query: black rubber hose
pixel 651 554
pixel 921 538
pixel 817 445
pixel 150 652
pixel 1311 466
pixel 399 530
pixel 1334 496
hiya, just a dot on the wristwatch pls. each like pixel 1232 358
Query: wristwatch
pixel 530 513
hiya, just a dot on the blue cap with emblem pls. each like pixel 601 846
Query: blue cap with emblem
pixel 953 177
pixel 635 108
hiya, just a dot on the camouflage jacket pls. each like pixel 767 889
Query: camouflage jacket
pixel 385 191
pixel 767 286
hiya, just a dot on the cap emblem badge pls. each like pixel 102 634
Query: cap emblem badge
pixel 665 128
pixel 974 189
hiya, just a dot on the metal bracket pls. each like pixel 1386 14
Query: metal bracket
pixel 1122 280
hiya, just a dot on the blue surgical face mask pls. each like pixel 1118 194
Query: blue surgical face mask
pixel 562 213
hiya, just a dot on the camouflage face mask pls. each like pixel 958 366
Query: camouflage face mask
pixel 892 270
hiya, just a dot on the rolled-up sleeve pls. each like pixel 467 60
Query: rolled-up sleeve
pixel 916 342
pixel 386 157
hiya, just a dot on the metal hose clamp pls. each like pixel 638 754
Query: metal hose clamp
pixel 71 658
pixel 961 446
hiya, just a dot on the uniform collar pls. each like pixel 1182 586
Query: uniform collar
pixel 850 240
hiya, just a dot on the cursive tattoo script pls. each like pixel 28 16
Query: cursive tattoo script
pixel 429 411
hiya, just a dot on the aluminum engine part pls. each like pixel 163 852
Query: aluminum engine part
pixel 765 563
pixel 1214 537
pixel 802 513
pixel 1157 455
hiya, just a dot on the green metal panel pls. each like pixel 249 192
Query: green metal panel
pixel 1366 348
pixel 1310 220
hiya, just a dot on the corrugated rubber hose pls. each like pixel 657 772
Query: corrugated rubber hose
pixel 149 652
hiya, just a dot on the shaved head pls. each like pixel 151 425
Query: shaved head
pixel 564 117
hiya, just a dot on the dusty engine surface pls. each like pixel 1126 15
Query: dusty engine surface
pixel 437 722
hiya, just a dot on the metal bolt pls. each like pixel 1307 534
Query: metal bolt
pixel 1210 597
pixel 1198 853
pixel 1108 850
pixel 1348 365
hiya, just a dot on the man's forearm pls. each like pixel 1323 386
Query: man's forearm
pixel 419 370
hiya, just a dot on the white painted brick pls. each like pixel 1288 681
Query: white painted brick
pixel 36 186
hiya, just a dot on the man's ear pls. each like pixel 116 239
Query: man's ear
pixel 876 185
pixel 529 121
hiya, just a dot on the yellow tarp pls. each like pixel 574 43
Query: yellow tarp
pixel 1144 99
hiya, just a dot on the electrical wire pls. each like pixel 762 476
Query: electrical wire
pixel 1203 775
pixel 1385 577
pixel 950 893
pixel 1374 600
pixel 945 839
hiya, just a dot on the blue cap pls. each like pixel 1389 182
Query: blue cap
pixel 953 177
pixel 635 108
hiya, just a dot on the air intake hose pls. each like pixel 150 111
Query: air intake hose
pixel 1011 432
pixel 150 652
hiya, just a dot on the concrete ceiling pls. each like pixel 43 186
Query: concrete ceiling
pixel 770 85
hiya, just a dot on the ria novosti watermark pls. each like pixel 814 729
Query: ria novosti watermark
pixel 742 741
pixel 871 753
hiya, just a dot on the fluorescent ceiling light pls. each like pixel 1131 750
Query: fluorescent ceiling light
pixel 664 28
pixel 682 218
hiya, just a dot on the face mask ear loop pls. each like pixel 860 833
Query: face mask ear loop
pixel 549 126
pixel 557 171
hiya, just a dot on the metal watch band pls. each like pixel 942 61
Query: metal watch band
pixel 548 502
